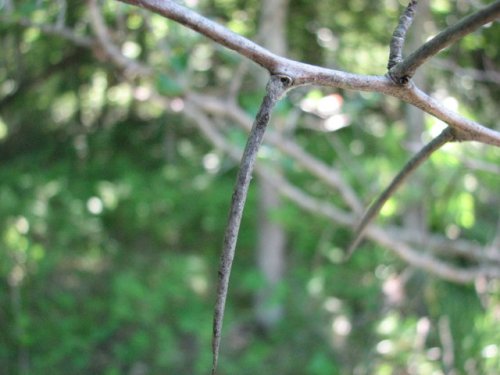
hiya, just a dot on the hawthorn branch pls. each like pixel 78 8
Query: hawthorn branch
pixel 445 137
pixel 306 74
pixel 445 38
pixel 212 30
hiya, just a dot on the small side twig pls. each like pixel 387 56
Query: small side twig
pixel 399 35
pixel 443 138
pixel 276 88
pixel 112 52
pixel 448 36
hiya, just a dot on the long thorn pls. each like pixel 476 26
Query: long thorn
pixel 443 138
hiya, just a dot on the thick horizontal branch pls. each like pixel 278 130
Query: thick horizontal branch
pixel 305 74
pixel 212 30
pixel 450 35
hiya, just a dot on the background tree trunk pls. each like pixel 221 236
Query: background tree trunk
pixel 271 243
pixel 415 213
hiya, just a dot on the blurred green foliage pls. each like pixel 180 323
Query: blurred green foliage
pixel 111 222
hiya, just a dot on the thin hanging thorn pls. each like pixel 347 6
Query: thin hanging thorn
pixel 275 89
pixel 443 138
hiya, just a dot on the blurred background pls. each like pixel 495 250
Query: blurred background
pixel 120 134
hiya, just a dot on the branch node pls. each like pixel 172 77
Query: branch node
pixel 400 81
pixel 278 85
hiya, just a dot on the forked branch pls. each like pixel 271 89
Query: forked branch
pixel 445 38
pixel 306 74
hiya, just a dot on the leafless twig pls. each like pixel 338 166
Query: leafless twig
pixel 56 30
pixel 305 74
pixel 130 66
pixel 399 35
pixel 450 35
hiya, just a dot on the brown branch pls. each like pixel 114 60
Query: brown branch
pixel 407 68
pixel 408 169
pixel 304 74
pixel 466 130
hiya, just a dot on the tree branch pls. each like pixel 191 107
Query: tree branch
pixel 212 30
pixel 450 35
pixel 130 66
pixel 305 74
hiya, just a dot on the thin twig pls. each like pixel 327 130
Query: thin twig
pixel 399 35
pixel 276 88
pixel 59 31
pixel 450 35
pixel 131 66
pixel 445 136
